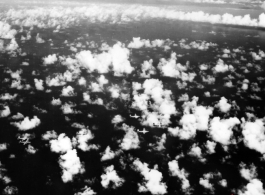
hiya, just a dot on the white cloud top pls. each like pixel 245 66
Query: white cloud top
pixel 223 105
pixel 254 135
pixel 50 59
pixel 27 123
pixel 255 186
pixel 221 130
pixel 131 139
pixel 180 173
pixel 116 59
pixel 61 145
pixel 111 176
pixel 71 165
pixel 153 179
pixel 5 112
pixel 83 136
pixel 6 32
pixel 162 107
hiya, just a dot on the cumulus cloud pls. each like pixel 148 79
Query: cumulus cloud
pixel 5 112
pixel 210 80
pixel 223 105
pixel 68 91
pixel 82 81
pixel 114 91
pixel 137 43
pixel 99 63
pixel 195 118
pixel 61 145
pixel 87 98
pixel 130 139
pixel 82 138
pixel 120 62
pixel 116 59
pixel 147 69
pixel 10 190
pixel 102 80
pixel 39 84
pixel 222 67
pixel 163 106
pixel 6 32
pixel 58 80
pixel 111 176
pixel 108 154
pixel 180 173
pixel 223 183
pixel 12 46
pixel 7 96
pixel 39 39
pixel 56 102
pixel 67 108
pixel 245 84
pixel 210 146
pixel 50 59
pixel 48 135
pixel 86 191
pixel 17 116
pixel 188 122
pixel 71 165
pixel 117 119
pixel 95 87
pixel 16 74
pixel 98 87
pixel 200 45
pixel 160 144
pixel 206 183
pixel 3 146
pixel 258 56
pixel 254 135
pixel 27 123
pixel 248 173
pixel 152 179
pixel 255 186
pixel 221 130
pixel 170 67
pixel 196 152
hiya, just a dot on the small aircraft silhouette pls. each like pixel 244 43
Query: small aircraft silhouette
pixel 160 125
pixel 143 131
pixel 134 116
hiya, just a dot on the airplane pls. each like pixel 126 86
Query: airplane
pixel 160 125
pixel 134 116
pixel 143 131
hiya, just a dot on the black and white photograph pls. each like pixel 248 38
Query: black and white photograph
pixel 132 97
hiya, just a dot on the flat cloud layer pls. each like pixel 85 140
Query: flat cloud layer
pixel 119 13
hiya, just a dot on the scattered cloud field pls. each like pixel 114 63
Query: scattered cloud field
pixel 131 99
